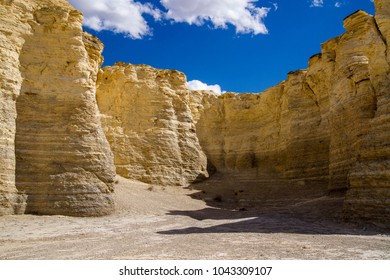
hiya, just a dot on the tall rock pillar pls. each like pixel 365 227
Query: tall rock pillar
pixel 63 163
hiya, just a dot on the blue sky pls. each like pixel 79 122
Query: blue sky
pixel 240 45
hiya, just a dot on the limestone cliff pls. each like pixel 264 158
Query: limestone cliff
pixel 325 129
pixel 148 122
pixel 11 80
pixel 369 176
pixel 51 136
pixel 322 130
pixel 327 126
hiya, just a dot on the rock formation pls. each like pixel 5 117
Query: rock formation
pixel 56 157
pixel 368 193
pixel 148 122
pixel 322 130
pixel 327 126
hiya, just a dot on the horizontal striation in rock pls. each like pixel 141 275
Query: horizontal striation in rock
pixel 363 118
pixel 325 127
pixel 13 27
pixel 276 135
pixel 56 153
pixel 148 122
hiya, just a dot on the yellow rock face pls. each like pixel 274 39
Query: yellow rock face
pixel 279 135
pixel 369 176
pixel 50 126
pixel 148 122
pixel 324 129
pixel 327 126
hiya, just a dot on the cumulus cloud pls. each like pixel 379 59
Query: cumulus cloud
pixel 128 16
pixel 119 16
pixel 198 85
pixel 317 3
pixel 242 14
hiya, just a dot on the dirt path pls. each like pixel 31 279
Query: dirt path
pixel 165 223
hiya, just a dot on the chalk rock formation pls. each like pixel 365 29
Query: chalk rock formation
pixel 63 162
pixel 324 129
pixel 369 176
pixel 327 126
pixel 148 122
pixel 278 139
pixel 11 26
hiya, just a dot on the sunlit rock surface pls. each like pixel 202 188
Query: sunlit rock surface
pixel 56 157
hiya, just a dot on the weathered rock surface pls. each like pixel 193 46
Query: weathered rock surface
pixel 148 122
pixel 10 83
pixel 324 129
pixel 63 162
pixel 369 177
pixel 327 126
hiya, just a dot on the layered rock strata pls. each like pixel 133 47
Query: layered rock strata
pixel 148 122
pixel 324 129
pixel 11 27
pixel 63 163
pixel 278 134
pixel 368 195
pixel 326 126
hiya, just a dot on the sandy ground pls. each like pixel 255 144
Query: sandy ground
pixel 154 222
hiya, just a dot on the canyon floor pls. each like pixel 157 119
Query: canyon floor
pixel 154 222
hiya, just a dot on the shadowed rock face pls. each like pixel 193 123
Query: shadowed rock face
pixel 149 125
pixel 63 163
pixel 279 134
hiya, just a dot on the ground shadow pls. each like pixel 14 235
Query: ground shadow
pixel 256 208
pixel 254 222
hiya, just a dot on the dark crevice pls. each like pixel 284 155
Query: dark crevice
pixel 313 93
pixel 380 33
pixel 381 36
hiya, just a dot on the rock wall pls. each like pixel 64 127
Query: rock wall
pixel 278 137
pixel 324 129
pixel 10 84
pixel 368 196
pixel 148 122
pixel 62 163
pixel 327 126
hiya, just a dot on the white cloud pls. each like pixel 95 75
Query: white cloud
pixel 119 16
pixel 317 3
pixel 128 16
pixel 337 4
pixel 242 14
pixel 198 85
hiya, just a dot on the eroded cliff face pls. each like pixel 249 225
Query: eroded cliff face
pixel 278 134
pixel 325 129
pixel 148 122
pixel 327 126
pixel 51 134
pixel 369 177
pixel 10 79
